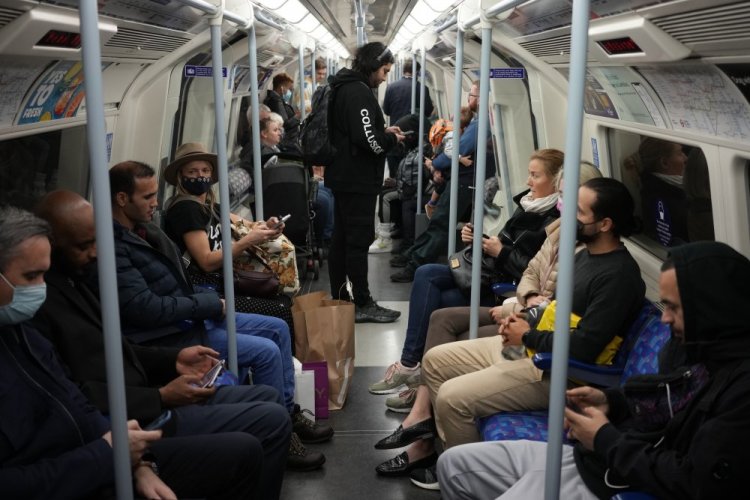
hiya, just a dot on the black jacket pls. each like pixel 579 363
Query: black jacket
pixel 357 131
pixel 397 101
pixel 156 299
pixel 286 111
pixel 522 237
pixel 71 319
pixel 702 453
pixel 50 436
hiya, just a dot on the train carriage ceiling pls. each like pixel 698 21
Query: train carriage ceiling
pixel 153 28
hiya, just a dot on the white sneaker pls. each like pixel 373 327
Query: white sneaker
pixel 381 245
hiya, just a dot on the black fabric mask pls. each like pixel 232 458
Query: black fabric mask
pixel 581 236
pixel 196 185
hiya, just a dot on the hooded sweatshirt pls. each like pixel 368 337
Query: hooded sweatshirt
pixel 357 131
pixel 704 451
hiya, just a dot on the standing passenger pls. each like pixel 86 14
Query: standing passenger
pixel 361 140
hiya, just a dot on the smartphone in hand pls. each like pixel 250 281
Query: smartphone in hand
pixel 573 406
pixel 209 378
pixel 282 220
pixel 159 421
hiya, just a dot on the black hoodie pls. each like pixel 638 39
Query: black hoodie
pixel 357 131
pixel 704 451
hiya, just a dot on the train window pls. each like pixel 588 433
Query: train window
pixel 34 165
pixel 669 183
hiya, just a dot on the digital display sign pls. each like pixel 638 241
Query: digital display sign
pixel 618 46
pixel 60 39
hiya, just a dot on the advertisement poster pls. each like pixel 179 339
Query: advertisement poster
pixel 58 94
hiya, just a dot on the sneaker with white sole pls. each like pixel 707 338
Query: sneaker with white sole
pixel 381 244
pixel 396 377
pixel 425 478
pixel 402 403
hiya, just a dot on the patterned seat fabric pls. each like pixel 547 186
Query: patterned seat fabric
pixel 639 354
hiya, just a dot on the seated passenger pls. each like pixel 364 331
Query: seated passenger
pixel 471 379
pixel 54 444
pixel 537 285
pixel 158 305
pixel 518 241
pixel 246 153
pixel 701 452
pixel 193 222
pixel 271 132
pixel 664 205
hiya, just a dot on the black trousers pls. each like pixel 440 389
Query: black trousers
pixel 353 233
pixel 255 411
pixel 216 466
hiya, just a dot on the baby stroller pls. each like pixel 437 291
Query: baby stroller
pixel 289 189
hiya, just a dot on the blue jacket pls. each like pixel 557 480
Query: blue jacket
pixel 50 437
pixel 467 146
pixel 156 298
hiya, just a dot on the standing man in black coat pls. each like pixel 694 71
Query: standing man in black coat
pixel 358 133
pixel 397 103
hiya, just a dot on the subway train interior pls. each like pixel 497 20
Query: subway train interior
pixel 674 72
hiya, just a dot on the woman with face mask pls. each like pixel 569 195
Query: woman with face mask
pixel 279 100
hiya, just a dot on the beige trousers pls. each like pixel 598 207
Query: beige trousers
pixel 471 379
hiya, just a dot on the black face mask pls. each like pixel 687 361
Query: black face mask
pixel 196 185
pixel 580 236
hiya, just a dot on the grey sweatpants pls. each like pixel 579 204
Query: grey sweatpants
pixel 510 470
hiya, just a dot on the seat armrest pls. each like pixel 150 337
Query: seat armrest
pixel 602 375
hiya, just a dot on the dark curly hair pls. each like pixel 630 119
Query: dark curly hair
pixel 370 57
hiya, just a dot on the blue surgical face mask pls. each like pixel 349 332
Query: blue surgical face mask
pixel 25 303
pixel 196 185
pixel 287 95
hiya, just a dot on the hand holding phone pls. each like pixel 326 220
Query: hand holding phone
pixel 209 378
pixel 573 406
pixel 281 222
pixel 159 421
pixel 407 132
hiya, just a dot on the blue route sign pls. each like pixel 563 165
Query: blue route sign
pixel 514 73
pixel 192 71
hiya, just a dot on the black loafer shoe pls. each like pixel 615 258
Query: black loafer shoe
pixel 400 466
pixel 403 437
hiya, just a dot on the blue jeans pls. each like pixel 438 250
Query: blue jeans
pixel 324 213
pixel 263 347
pixel 433 289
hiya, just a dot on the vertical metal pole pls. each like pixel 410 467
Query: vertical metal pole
pixel 481 163
pixel 413 82
pixel 96 136
pixel 221 153
pixel 564 293
pixel 313 73
pixel 457 87
pixel 504 170
pixel 422 93
pixel 301 83
pixel 254 123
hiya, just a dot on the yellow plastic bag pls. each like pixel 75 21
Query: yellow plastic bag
pixel 547 323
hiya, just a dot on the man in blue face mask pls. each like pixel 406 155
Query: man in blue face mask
pixel 53 443
pixel 278 99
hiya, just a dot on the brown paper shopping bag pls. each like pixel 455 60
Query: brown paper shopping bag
pixel 324 331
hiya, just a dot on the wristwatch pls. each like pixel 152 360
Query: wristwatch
pixel 149 460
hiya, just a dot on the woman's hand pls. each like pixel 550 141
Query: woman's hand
pixel 535 300
pixel 492 246
pixel 259 234
pixel 467 233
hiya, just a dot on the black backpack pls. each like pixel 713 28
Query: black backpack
pixel 314 138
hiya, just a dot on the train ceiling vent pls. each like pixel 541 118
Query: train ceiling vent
pixel 47 32
pixel 555 49
pixel 130 42
pixel 267 59
pixel 7 15
pixel 722 30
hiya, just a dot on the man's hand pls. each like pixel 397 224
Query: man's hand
pixel 584 426
pixel 183 391
pixel 587 396
pixel 138 440
pixel 196 360
pixel 148 485
pixel 397 132
pixel 512 329
pixel 496 314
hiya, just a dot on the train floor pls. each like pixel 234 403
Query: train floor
pixel 349 471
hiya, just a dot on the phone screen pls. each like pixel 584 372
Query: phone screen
pixel 210 376
pixel 159 421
